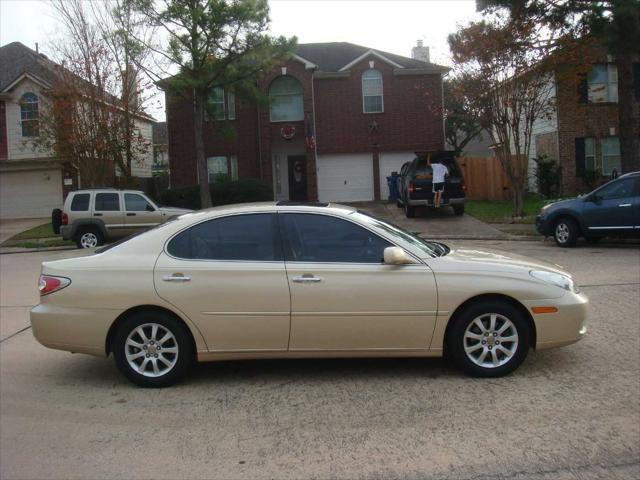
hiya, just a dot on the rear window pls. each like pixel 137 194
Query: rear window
pixel 80 202
pixel 107 202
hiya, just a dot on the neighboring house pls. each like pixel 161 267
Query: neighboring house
pixel 32 180
pixel 341 117
pixel 582 133
pixel 160 147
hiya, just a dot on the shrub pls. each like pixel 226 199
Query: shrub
pixel 223 192
pixel 548 176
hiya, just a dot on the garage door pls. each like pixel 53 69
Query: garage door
pixel 391 162
pixel 345 178
pixel 30 194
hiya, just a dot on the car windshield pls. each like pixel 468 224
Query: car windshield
pixel 433 249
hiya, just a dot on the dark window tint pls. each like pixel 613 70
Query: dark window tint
pixel 80 202
pixel 107 202
pixel 242 237
pixel 136 203
pixel 620 189
pixel 321 238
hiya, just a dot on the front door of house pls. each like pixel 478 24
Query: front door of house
pixel 297 177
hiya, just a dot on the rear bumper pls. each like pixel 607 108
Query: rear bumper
pixel 564 327
pixel 67 232
pixel 429 202
pixel 80 330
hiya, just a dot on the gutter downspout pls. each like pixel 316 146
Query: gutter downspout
pixel 315 128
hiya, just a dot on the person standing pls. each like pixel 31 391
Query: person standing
pixel 439 174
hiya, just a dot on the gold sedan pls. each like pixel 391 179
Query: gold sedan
pixel 280 280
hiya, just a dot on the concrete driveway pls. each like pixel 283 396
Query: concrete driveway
pixel 434 223
pixel 9 228
pixel 571 413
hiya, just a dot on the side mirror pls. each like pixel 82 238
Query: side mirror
pixel 397 256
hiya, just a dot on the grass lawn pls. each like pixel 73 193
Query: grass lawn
pixel 41 231
pixel 493 211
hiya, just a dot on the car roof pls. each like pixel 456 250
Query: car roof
pixel 630 174
pixel 288 206
pixel 108 190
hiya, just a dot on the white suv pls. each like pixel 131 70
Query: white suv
pixel 91 217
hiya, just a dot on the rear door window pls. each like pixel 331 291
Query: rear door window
pixel 107 202
pixel 80 202
pixel 250 237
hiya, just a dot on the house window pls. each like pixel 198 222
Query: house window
pixel 285 100
pixel 372 101
pixel 29 116
pixel 221 167
pixel 610 155
pixel 590 154
pixel 602 83
pixel 231 105
pixel 216 104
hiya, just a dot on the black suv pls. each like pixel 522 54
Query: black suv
pixel 415 186
pixel 610 210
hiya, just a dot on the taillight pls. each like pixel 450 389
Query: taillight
pixel 49 284
pixel 410 187
pixel 65 219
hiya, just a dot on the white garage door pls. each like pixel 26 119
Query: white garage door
pixel 345 178
pixel 391 162
pixel 30 194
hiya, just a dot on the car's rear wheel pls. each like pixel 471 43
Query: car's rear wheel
pixel 458 209
pixel 89 238
pixel 409 211
pixel 566 232
pixel 152 349
pixel 489 339
pixel 56 220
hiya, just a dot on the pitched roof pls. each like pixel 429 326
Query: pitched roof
pixel 332 56
pixel 17 59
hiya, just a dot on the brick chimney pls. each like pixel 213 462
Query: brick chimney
pixel 420 52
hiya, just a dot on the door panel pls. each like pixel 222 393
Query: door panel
pixel 361 306
pixel 235 305
pixel 107 206
pixel 297 169
pixel 136 216
pixel 227 275
pixel 613 212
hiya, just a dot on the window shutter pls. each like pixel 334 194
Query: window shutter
pixel 583 89
pixel 580 157
pixel 636 80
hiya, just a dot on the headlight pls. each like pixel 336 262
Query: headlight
pixel 556 279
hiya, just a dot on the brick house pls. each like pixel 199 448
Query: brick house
pixel 582 133
pixel 341 117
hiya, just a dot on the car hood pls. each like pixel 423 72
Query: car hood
pixel 569 203
pixel 485 260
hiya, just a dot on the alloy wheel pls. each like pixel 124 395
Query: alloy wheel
pixel 490 340
pixel 151 350
pixel 89 240
pixel 562 232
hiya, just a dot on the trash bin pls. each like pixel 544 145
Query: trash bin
pixel 393 188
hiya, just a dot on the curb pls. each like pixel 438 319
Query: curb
pixel 11 250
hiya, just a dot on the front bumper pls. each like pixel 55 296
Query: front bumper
pixel 564 327
pixel 544 226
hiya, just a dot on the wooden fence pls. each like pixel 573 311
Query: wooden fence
pixel 485 178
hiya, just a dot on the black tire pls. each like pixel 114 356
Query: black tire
pixel 566 232
pixel 458 209
pixel 593 240
pixel 181 340
pixel 89 237
pixel 56 220
pixel 409 211
pixel 456 341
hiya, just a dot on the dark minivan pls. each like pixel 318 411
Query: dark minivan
pixel 610 210
pixel 415 186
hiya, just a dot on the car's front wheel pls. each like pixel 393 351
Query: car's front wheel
pixel 488 339
pixel 566 232
pixel 152 349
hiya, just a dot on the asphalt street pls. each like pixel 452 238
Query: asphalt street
pixel 570 413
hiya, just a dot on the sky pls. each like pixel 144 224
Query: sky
pixel 389 25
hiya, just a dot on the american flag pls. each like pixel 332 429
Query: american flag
pixel 310 136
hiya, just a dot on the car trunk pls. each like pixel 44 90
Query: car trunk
pixel 422 180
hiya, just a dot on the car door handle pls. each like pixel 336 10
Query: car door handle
pixel 306 279
pixel 97 214
pixel 624 205
pixel 176 278
pixel 131 214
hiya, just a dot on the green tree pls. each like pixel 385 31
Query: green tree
pixel 615 23
pixel 213 43
pixel 462 122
